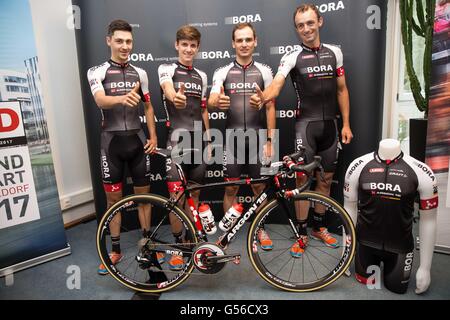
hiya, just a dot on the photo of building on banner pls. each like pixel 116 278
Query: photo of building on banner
pixel 31 225
pixel 438 138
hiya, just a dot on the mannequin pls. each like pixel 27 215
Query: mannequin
pixel 388 157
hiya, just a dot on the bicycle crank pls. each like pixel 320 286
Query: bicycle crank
pixel 207 258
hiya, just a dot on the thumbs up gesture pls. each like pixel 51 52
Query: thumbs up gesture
pixel 257 100
pixel 180 99
pixel 132 98
pixel 224 101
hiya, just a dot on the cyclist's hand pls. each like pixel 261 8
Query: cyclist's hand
pixel 132 98
pixel 347 135
pixel 150 146
pixel 268 150
pixel 224 101
pixel 423 280
pixel 180 99
pixel 209 150
pixel 257 100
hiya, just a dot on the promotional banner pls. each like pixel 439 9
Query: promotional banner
pixel 438 137
pixel 17 190
pixel 357 27
pixel 31 225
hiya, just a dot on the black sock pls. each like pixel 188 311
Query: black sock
pixel 302 226
pixel 177 237
pixel 145 233
pixel 318 221
pixel 115 244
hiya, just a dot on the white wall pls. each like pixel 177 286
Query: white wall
pixel 58 63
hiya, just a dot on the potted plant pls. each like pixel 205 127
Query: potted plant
pixel 418 16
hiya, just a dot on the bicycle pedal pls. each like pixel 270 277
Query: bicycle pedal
pixel 237 260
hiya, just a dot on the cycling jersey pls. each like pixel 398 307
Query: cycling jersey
pixel 313 74
pixel 239 84
pixel 195 83
pixel 117 79
pixel 385 191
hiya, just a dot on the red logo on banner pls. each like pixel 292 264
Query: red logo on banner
pixel 14 120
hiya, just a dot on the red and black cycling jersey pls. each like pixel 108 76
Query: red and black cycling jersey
pixel 313 74
pixel 117 79
pixel 239 84
pixel 385 191
pixel 195 83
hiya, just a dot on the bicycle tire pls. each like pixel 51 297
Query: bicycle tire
pixel 118 271
pixel 261 263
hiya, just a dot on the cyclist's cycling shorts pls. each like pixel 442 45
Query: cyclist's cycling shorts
pixel 193 166
pixel 120 148
pixel 319 138
pixel 240 156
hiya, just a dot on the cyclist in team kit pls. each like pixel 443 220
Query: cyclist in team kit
pixel 118 87
pixel 183 89
pixel 233 85
pixel 317 73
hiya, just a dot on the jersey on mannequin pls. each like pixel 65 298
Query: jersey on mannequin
pixel 388 179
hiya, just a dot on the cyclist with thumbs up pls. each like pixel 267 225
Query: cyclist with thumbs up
pixel 183 89
pixel 118 88
pixel 233 85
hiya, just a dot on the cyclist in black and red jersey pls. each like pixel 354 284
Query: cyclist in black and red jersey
pixel 118 87
pixel 232 87
pixel 317 73
pixel 183 89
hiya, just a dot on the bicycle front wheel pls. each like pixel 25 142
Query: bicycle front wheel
pixel 145 263
pixel 319 264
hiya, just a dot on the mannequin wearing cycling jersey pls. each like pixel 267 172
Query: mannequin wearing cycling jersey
pixel 184 97
pixel 233 85
pixel 379 192
pixel 118 87
pixel 317 73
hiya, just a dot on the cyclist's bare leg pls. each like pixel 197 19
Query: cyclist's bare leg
pixel 175 223
pixel 323 187
pixel 301 207
pixel 229 197
pixel 111 199
pixel 144 210
pixel 258 188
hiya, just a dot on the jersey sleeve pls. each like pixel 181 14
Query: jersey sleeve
pixel 339 60
pixel 218 79
pixel 95 76
pixel 427 184
pixel 165 73
pixel 143 80
pixel 287 63
pixel 352 174
pixel 267 74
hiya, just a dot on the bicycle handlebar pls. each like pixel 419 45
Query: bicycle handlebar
pixel 288 161
pixel 167 153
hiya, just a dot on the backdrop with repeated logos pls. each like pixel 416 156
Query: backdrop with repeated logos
pixel 358 27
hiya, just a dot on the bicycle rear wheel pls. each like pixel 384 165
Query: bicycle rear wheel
pixel 319 265
pixel 145 261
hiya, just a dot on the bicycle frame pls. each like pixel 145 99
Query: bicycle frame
pixel 274 189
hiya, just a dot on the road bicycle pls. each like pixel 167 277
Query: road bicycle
pixel 143 270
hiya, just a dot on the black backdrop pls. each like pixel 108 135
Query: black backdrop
pixel 358 26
